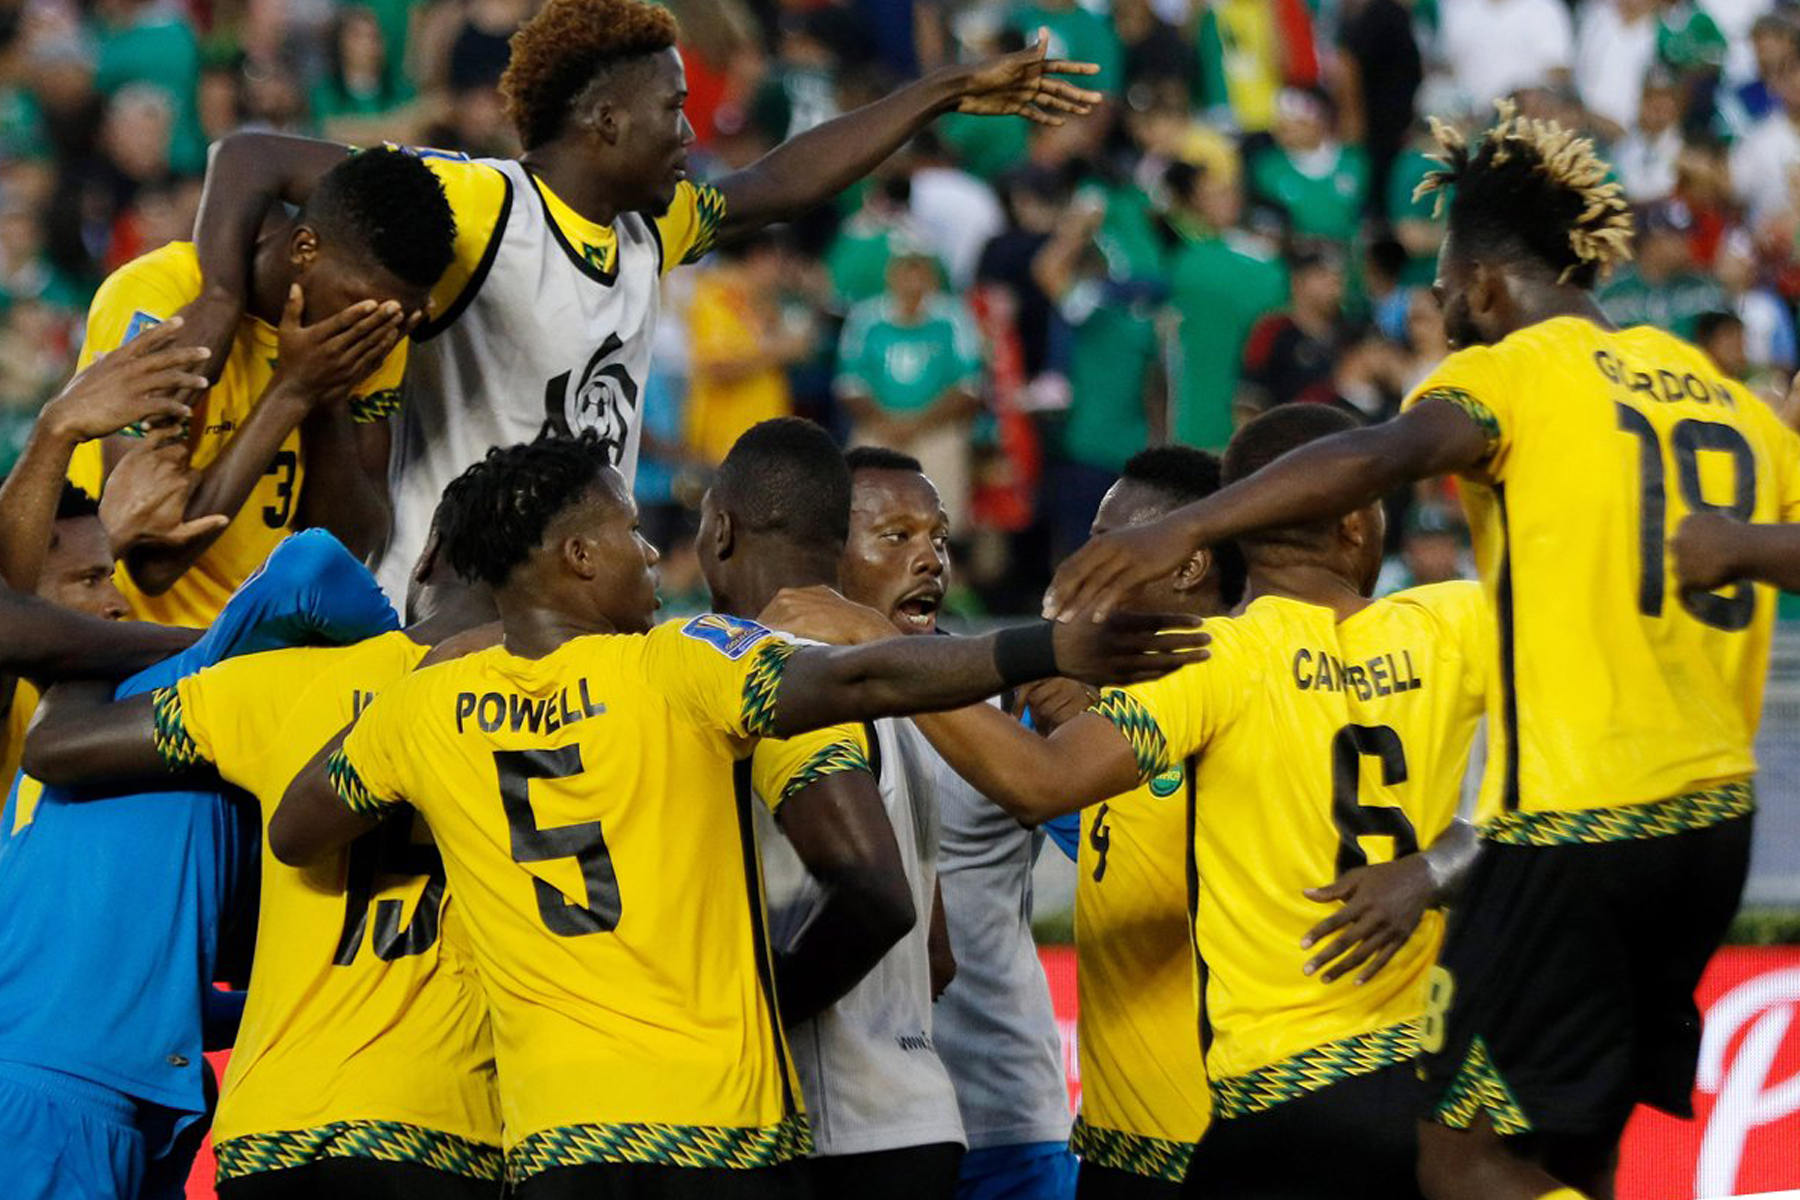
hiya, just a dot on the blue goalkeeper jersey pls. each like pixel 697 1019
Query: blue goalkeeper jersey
pixel 110 906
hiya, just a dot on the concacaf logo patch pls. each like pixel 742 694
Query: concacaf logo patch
pixel 1168 783
pixel 730 636
pixel 139 322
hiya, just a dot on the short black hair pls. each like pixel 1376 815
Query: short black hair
pixel 1184 474
pixel 1531 193
pixel 496 513
pixel 1282 429
pixel 389 204
pixel 787 477
pixel 880 458
pixel 74 503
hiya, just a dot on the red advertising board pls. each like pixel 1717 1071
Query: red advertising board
pixel 1744 1140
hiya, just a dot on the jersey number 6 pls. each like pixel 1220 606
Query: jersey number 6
pixel 584 843
pixel 1354 821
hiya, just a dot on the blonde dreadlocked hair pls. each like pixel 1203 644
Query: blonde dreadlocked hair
pixel 1535 188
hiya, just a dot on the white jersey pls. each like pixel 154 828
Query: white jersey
pixel 869 1069
pixel 540 337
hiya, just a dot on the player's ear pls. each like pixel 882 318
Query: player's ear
pixel 579 557
pixel 303 247
pixel 717 526
pixel 1192 573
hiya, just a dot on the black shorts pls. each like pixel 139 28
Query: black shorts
pixel 1565 992
pixel 357 1179
pixel 908 1173
pixel 635 1181
pixel 1095 1182
pixel 1356 1139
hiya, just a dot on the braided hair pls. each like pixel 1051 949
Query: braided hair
pixel 497 512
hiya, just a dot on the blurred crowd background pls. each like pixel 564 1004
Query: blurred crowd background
pixel 1021 308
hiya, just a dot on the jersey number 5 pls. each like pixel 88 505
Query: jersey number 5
pixel 584 843
pixel 1349 747
pixel 1734 608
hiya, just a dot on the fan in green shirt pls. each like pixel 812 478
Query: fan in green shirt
pixel 1075 33
pixel 902 354
pixel 1320 184
pixel 1220 284
pixel 1662 288
pixel 147 41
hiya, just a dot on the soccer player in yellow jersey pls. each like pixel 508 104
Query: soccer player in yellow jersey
pixel 585 792
pixel 547 318
pixel 364 1064
pixel 1617 806
pixel 316 357
pixel 1328 732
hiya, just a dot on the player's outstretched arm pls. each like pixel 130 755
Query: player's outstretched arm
pixel 1712 551
pixel 805 171
pixel 246 174
pixel 1319 481
pixel 46 643
pixel 1033 778
pixel 312 819
pixel 841 832
pixel 81 735
pixel 1383 904
pixel 830 685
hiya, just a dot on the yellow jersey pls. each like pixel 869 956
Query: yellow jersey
pixel 1144 1098
pixel 143 293
pixel 12 750
pixel 1624 707
pixel 365 1033
pixel 480 196
pixel 592 807
pixel 1316 746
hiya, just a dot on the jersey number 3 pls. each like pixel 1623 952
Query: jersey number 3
pixel 1734 608
pixel 584 843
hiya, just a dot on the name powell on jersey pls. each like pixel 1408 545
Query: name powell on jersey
pixel 603 399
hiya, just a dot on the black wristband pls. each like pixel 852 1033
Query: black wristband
pixel 1025 653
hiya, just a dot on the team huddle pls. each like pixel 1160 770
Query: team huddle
pixel 520 891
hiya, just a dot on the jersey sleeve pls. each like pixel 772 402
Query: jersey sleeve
pixel 691 226
pixel 1169 719
pixel 378 397
pixel 779 767
pixel 368 772
pixel 1473 380
pixel 230 713
pixel 722 672
pixel 477 193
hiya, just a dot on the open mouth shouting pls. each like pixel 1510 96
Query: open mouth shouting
pixel 917 611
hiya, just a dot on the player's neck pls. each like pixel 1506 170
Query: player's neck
pixel 445 618
pixel 574 180
pixel 533 631
pixel 1542 302
pixel 1309 583
pixel 764 573
pixel 271 274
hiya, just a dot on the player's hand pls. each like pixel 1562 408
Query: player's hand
pixel 820 614
pixel 141 381
pixel 1708 551
pixel 1022 84
pixel 1382 905
pixel 1096 577
pixel 146 497
pixel 327 359
pixel 1129 647
pixel 1053 702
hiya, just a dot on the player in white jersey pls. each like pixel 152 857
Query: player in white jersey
pixel 994 1028
pixel 548 315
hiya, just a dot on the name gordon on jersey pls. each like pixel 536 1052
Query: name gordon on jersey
pixel 1383 675
pixel 491 710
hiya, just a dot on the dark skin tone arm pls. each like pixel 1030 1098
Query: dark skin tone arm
pixel 840 830
pixel 46 643
pixel 1034 778
pixel 82 736
pixel 1712 551
pixel 938 949
pixel 1319 481
pixel 346 485
pixel 1383 904
pixel 805 171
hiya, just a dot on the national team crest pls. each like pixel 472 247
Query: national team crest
pixel 603 399
pixel 730 636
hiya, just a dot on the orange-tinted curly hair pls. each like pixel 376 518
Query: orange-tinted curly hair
pixel 558 52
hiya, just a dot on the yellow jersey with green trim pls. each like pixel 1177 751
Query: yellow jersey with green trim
pixel 1615 688
pixel 1144 1097
pixel 365 1033
pixel 544 322
pixel 143 293
pixel 593 810
pixel 1317 746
